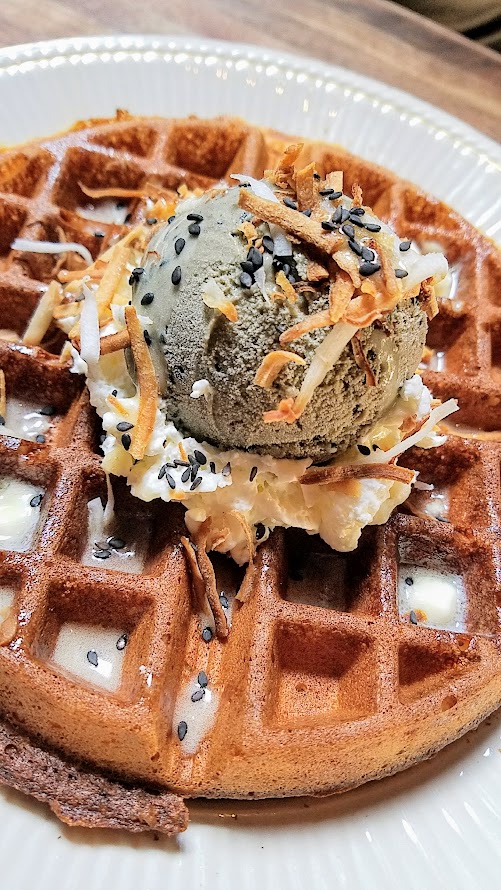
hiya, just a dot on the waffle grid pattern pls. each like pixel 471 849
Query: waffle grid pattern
pixel 311 698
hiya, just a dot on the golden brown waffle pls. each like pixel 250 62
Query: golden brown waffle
pixel 321 684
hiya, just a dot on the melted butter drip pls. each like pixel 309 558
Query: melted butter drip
pixel 437 597
pixel 199 716
pixel 18 518
pixel 91 653
pixel 24 421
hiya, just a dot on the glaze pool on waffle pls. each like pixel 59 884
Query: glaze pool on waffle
pixel 311 670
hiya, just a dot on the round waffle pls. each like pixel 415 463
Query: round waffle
pixel 323 682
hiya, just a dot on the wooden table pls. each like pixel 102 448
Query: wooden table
pixel 375 37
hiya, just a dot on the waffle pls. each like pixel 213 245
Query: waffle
pixel 323 682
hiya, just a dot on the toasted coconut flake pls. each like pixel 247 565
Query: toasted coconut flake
pixel 347 261
pixel 25 245
pixel 361 360
pixel 182 452
pixel 95 272
pixel 334 474
pixel 89 328
pixel 428 299
pixel 466 433
pixel 283 282
pixel 67 310
pixel 114 403
pixel 3 395
pixel 115 342
pixel 213 297
pixel 271 366
pixel 356 191
pixel 284 413
pixel 249 232
pixel 249 538
pixel 42 317
pixel 340 294
pixel 308 230
pixel 324 359
pixel 204 579
pixel 307 195
pixel 247 586
pixel 147 384
pixel 283 173
pixel 316 272
pixel 436 415
pixel 111 277
pixel 198 586
pixel 310 323
pixel 149 190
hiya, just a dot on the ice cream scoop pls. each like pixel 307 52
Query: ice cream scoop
pixel 200 350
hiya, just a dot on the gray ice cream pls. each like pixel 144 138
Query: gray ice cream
pixel 191 342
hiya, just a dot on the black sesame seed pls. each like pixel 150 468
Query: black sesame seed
pixel 47 410
pixel 317 176
pixel 367 254
pixel 340 214
pixel 124 426
pixel 116 543
pixel 126 441
pixel 327 225
pixel 171 219
pixel 162 471
pixel 2 420
pixel 373 227
pixel 101 554
pixel 207 635
pixel 357 211
pixel 178 245
pixel 201 457
pixel 247 267
pixel 176 275
pixel 170 480
pixel 246 279
pixel 194 470
pixel 413 617
pixel 401 273
pixel 128 218
pixel 186 475
pixel 182 729
pixel 92 657
pixel 268 243
pixel 40 439
pixel 253 474
pixel 306 213
pixel 409 581
pixel 102 545
pixel 194 229
pixel 255 257
pixel 260 531
pixel 223 599
pixel 192 459
pixel 290 203
pixel 364 449
pixel 335 195
pixel 36 500
pixel 367 269
pixel 151 221
pixel 405 245
pixel 196 482
pixel 122 642
pixel 195 217
pixel 135 275
pixel 348 230
pixel 147 299
pixel 375 447
pixel 356 221
pixel 147 338
pixel 326 192
pixel 355 247
pixel 212 466
pixel 181 463
pixel 198 694
pixel 115 392
pixel 226 469
pixel 202 679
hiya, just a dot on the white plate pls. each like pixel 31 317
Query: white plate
pixel 437 825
